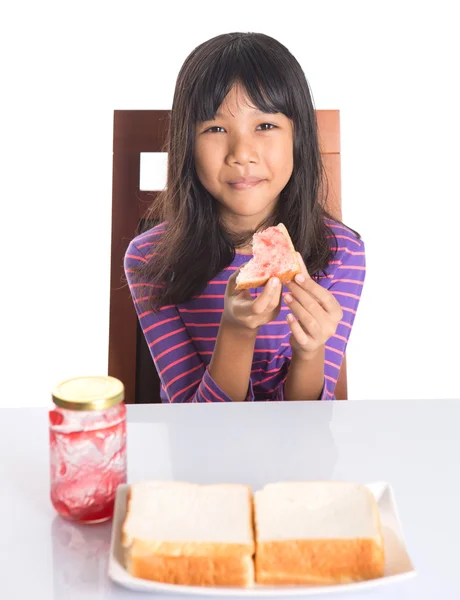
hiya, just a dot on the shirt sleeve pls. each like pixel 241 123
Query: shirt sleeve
pixel 183 374
pixel 347 286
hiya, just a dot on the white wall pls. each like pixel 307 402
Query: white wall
pixel 389 67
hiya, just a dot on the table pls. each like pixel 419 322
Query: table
pixel 414 445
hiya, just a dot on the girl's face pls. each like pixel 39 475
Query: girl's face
pixel 242 142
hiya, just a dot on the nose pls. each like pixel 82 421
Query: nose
pixel 242 151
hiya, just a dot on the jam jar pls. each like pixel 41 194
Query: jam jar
pixel 87 429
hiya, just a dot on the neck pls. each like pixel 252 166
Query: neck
pixel 245 250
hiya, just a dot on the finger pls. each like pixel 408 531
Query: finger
pixel 320 294
pixel 307 300
pixel 308 321
pixel 299 334
pixel 269 295
pixel 276 300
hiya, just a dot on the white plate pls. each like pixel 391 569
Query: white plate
pixel 398 565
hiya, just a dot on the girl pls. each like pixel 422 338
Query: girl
pixel 243 155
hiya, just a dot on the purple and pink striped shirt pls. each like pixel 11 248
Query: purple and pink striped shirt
pixel 181 338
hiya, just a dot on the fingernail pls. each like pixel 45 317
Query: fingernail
pixel 299 278
pixel 275 281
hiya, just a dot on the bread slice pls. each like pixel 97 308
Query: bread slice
pixel 190 534
pixel 274 255
pixel 317 533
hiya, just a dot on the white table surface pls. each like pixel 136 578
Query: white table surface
pixel 414 445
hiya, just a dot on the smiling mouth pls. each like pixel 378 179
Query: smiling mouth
pixel 245 185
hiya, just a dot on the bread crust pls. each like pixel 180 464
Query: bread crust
pixel 324 561
pixel 284 277
pixel 125 540
pixel 194 570
pixel 283 230
pixel 254 283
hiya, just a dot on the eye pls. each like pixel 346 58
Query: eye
pixel 269 127
pixel 211 128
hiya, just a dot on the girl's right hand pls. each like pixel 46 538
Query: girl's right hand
pixel 241 310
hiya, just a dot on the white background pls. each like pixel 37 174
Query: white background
pixel 391 68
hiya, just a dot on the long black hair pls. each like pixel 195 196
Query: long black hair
pixel 196 245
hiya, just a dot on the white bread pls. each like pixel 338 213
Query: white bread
pixel 245 281
pixel 190 534
pixel 317 533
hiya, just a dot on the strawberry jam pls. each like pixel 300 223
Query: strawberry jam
pixel 87 450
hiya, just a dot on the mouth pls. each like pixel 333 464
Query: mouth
pixel 244 185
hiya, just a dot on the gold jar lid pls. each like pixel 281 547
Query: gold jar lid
pixel 89 393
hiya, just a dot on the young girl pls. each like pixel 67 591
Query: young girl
pixel 243 155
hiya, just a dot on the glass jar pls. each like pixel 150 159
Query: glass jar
pixel 87 447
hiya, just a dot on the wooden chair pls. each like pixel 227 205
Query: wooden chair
pixel 137 131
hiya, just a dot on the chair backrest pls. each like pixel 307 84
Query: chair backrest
pixel 137 131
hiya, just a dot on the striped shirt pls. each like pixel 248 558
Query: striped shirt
pixel 181 338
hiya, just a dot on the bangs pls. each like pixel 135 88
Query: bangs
pixel 246 64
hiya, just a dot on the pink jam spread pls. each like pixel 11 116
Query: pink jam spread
pixel 272 255
pixel 88 461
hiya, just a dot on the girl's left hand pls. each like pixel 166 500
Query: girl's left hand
pixel 316 314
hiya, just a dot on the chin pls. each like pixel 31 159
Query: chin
pixel 248 207
pixel 250 212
